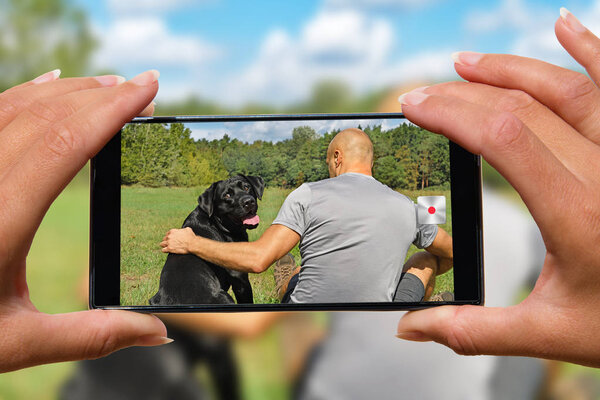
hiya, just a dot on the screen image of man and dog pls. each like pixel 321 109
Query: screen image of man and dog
pixel 166 169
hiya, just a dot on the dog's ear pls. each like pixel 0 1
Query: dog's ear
pixel 207 199
pixel 257 183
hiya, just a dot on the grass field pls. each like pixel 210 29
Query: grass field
pixel 148 213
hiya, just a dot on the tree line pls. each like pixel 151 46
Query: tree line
pixel 406 157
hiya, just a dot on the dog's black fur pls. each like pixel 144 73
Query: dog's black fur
pixel 222 208
pixel 159 373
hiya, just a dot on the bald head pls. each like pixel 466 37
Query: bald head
pixel 351 150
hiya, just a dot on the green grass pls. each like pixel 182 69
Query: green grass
pixel 148 213
pixel 56 272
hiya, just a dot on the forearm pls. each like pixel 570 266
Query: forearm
pixel 442 246
pixel 239 256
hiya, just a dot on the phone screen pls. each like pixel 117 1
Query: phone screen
pixel 360 215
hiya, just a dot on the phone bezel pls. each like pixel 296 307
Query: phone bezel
pixel 467 233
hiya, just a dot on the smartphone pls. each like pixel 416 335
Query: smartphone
pixel 340 236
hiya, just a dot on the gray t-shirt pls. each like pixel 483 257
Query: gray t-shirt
pixel 355 233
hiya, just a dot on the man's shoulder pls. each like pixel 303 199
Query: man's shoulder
pixel 361 183
pixel 301 194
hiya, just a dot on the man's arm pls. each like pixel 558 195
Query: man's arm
pixel 442 248
pixel 253 257
pixel 441 245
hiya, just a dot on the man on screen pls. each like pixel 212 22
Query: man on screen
pixel 354 233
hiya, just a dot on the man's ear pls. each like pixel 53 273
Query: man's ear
pixel 257 183
pixel 337 156
pixel 207 199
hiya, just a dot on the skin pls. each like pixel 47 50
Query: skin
pixel 350 150
pixel 538 125
pixel 50 128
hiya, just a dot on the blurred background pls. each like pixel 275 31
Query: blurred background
pixel 231 57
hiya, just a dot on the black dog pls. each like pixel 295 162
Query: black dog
pixel 159 373
pixel 225 210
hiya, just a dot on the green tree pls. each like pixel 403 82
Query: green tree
pixel 409 165
pixel 41 35
pixel 389 172
pixel 329 96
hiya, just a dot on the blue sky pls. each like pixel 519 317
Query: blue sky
pixel 279 130
pixel 235 52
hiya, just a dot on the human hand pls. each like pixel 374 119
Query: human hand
pixel 178 241
pixel 539 126
pixel 49 129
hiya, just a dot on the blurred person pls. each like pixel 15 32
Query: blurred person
pixel 359 359
pixel 539 126
pixel 350 256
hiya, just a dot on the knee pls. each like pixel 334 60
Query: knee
pixel 421 260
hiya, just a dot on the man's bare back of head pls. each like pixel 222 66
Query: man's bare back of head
pixel 351 150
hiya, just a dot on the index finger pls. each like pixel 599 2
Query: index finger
pixel 13 102
pixel 507 144
pixel 569 94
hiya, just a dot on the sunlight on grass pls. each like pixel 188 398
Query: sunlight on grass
pixel 148 213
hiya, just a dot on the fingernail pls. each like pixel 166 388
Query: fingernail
pixel 571 21
pixel 467 58
pixel 413 98
pixel 415 336
pixel 151 340
pixel 47 77
pixel 146 78
pixel 110 80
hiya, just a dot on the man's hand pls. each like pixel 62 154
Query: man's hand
pixel 253 257
pixel 539 126
pixel 49 129
pixel 178 241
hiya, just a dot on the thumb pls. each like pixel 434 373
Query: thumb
pixel 87 334
pixel 468 330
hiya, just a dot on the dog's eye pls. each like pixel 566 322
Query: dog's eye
pixel 227 196
pixel 246 188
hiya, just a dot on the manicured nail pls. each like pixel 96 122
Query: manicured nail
pixel 571 21
pixel 151 340
pixel 414 97
pixel 110 80
pixel 416 336
pixel 47 77
pixel 467 58
pixel 146 78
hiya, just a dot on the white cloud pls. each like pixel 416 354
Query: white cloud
pixel 541 43
pixel 427 67
pixel 145 6
pixel 146 41
pixel 378 4
pixel 346 37
pixel 345 45
pixel 533 28
pixel 279 130
pixel 509 14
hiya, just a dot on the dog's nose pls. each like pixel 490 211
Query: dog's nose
pixel 248 202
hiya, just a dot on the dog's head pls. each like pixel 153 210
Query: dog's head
pixel 234 200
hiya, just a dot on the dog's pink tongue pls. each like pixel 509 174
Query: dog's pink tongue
pixel 252 221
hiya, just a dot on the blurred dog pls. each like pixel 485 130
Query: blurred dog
pixel 225 210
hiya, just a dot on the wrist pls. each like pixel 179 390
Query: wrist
pixel 192 245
